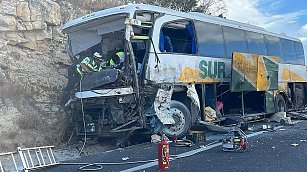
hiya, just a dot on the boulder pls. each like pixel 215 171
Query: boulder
pixel 23 11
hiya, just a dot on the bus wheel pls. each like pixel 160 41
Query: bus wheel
pixel 280 103
pixel 182 117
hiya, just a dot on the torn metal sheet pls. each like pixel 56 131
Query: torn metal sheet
pixel 104 92
pixel 214 127
pixel 162 106
pixel 192 93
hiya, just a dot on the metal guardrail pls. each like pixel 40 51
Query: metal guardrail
pixel 11 155
pixel 30 158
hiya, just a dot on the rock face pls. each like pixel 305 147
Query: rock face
pixel 32 72
pixel 33 65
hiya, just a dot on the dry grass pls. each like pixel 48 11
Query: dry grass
pixel 31 128
pixel 28 122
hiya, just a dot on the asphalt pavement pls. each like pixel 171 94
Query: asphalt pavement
pixel 282 150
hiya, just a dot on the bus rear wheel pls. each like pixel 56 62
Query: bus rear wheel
pixel 182 117
pixel 280 103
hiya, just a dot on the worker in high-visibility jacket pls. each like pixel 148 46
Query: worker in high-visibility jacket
pixel 89 64
pixel 77 71
pixel 118 59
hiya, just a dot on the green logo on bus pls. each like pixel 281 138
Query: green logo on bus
pixel 212 69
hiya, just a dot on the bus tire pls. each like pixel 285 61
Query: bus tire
pixel 280 103
pixel 182 117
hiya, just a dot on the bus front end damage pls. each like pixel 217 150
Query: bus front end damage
pixel 115 102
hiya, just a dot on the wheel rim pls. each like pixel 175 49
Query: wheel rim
pixel 179 121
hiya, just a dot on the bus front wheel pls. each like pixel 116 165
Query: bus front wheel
pixel 182 117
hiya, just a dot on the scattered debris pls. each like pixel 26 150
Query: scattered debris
pixel 155 138
pixel 267 128
pixel 183 143
pixel 294 144
pixel 196 136
pixel 125 158
pixel 298 115
pixel 210 114
pixel 250 128
pixel 282 118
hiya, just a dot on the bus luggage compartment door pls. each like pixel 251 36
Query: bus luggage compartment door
pixel 251 72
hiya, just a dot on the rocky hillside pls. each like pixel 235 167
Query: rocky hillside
pixel 33 65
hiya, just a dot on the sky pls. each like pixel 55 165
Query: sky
pixel 279 16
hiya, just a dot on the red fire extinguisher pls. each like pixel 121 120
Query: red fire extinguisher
pixel 163 154
pixel 243 143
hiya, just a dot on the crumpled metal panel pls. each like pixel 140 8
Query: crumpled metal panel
pixel 193 95
pixel 104 93
pixel 97 79
pixel 162 106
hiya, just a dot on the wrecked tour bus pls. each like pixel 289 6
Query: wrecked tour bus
pixel 179 70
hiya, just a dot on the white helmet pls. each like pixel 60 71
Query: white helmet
pixel 98 55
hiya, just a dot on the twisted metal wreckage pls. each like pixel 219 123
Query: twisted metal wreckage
pixel 157 90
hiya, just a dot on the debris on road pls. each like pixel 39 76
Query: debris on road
pixel 155 138
pixel 268 128
pixel 183 143
pixel 282 118
pixel 294 144
pixel 298 115
pixel 125 158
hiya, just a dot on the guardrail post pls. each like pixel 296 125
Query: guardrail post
pixel 25 167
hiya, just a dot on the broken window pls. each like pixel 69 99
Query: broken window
pixel 178 37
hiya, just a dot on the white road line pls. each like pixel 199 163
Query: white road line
pixel 151 164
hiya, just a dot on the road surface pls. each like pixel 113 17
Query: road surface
pixel 282 150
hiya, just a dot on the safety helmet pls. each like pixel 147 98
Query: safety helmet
pixel 98 56
pixel 121 56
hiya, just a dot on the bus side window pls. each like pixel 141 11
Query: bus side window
pixel 299 53
pixel 210 39
pixel 288 50
pixel 273 47
pixel 256 43
pixel 177 37
pixel 235 41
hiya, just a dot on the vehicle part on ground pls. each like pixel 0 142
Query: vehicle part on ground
pixel 182 118
pixel 236 140
pixel 235 121
pixel 214 127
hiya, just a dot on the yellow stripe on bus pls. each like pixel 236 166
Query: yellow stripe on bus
pixel 190 75
pixel 288 75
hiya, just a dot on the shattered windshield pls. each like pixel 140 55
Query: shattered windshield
pixel 105 36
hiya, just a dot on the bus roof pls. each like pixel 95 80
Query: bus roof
pixel 131 8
